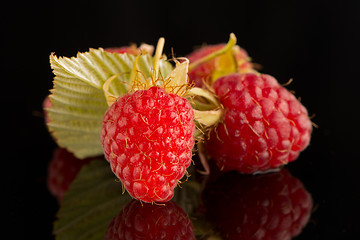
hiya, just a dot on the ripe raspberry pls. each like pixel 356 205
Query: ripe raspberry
pixel 45 105
pixel 62 171
pixel 264 126
pixel 147 221
pixel 204 71
pixel 147 137
pixel 272 206
pixel 129 49
pixel 132 49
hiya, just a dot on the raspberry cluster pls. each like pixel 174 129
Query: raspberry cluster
pixel 242 119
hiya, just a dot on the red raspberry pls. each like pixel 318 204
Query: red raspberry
pixel 147 221
pixel 128 49
pixel 132 49
pixel 62 171
pixel 264 125
pixel 272 206
pixel 45 105
pixel 204 71
pixel 147 137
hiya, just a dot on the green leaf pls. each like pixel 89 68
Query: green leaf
pixel 78 103
pixel 91 202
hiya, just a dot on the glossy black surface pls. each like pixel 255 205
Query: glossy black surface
pixel 314 42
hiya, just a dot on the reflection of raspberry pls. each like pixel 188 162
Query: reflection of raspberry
pixel 272 206
pixel 147 137
pixel 205 70
pixel 147 221
pixel 62 171
pixel 264 125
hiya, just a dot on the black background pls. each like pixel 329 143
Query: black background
pixel 313 42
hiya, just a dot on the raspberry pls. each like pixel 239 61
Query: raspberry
pixel 62 171
pixel 147 137
pixel 264 126
pixel 130 50
pixel 147 221
pixel 45 105
pixel 269 206
pixel 204 71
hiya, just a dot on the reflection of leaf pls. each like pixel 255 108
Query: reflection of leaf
pixel 188 198
pixel 203 229
pixel 93 199
pixel 187 195
pixel 77 100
